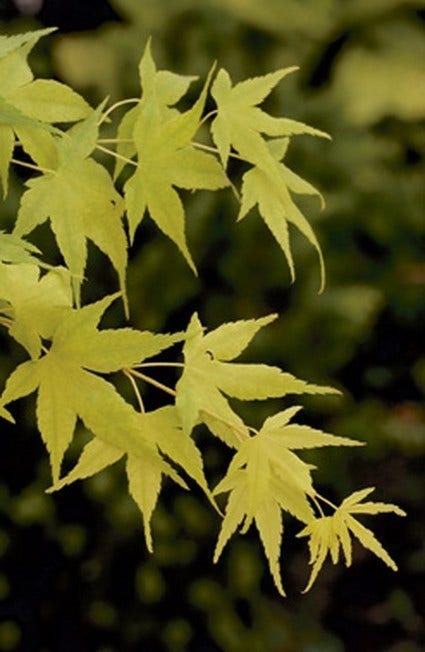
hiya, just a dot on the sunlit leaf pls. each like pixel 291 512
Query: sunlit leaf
pixel 81 202
pixel 327 534
pixel 208 374
pixel 67 388
pixel 166 157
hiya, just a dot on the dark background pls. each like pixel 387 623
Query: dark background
pixel 75 574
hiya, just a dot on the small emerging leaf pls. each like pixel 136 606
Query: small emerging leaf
pixel 328 533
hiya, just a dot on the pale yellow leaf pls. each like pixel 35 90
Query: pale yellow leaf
pixel 96 456
pixel 369 541
pixel 268 520
pixel 229 340
pixel 144 483
pixel 50 101
pixel 56 416
pixel 235 512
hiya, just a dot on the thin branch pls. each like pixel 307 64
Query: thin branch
pixel 316 504
pixel 31 166
pixel 115 155
pixel 240 434
pixel 328 502
pixel 237 429
pixel 130 100
pixel 136 389
pixel 208 116
pixel 115 140
pixel 214 150
pixel 152 381
pixel 158 364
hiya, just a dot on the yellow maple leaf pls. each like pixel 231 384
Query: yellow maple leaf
pixel 329 534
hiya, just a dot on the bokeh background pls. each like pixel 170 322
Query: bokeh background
pixel 74 572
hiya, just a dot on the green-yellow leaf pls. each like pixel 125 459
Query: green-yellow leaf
pixel 229 340
pixel 82 203
pixel 144 483
pixel 258 381
pixel 167 86
pixel 56 414
pixel 165 430
pixel 16 250
pixel 240 123
pixel 49 101
pixel 295 436
pixel 144 470
pixel 15 41
pixel 235 514
pixel 27 104
pixel 81 139
pixel 265 477
pixel 7 140
pixel 328 533
pixel 269 186
pixel 67 389
pixel 35 305
pixel 96 456
pixel 40 144
pixel 12 120
pixel 126 148
pixel 14 50
pixel 206 378
pixel 268 520
pixel 251 499
pixel 166 157
pixel 291 498
pixel 144 479
pixel 354 504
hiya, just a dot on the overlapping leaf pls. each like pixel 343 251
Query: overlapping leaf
pixel 166 157
pixel 144 471
pixel 329 534
pixel 166 87
pixel 78 196
pixel 67 388
pixel 240 123
pixel 160 431
pixel 270 187
pixel 208 375
pixel 265 477
pixel 27 104
pixel 16 250
pixel 33 305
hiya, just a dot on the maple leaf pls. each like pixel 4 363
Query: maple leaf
pixel 144 471
pixel 161 432
pixel 16 250
pixel 266 477
pixel 270 187
pixel 79 197
pixel 167 87
pixel 239 122
pixel 329 534
pixel 34 306
pixel 27 104
pixel 208 375
pixel 68 389
pixel 166 157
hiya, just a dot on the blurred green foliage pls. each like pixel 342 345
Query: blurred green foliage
pixel 75 575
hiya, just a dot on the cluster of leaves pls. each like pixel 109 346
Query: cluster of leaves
pixel 41 308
